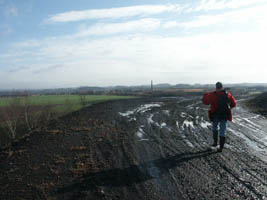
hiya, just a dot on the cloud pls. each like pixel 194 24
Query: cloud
pixel 18 69
pixel 113 13
pixel 48 69
pixel 247 15
pixel 207 5
pixel 140 55
pixel 28 43
pixel 115 28
pixel 136 59
pixel 170 24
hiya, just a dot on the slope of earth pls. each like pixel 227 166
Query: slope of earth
pixel 138 149
pixel 259 104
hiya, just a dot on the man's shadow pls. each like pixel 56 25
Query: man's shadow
pixel 133 174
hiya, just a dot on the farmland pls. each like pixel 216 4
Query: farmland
pixel 20 115
pixel 59 104
pixel 41 100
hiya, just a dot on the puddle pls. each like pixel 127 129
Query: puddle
pixel 140 133
pixel 141 109
pixel 205 124
pixel 188 124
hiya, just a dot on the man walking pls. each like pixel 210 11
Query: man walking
pixel 220 111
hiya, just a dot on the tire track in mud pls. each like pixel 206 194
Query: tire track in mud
pixel 141 149
pixel 228 172
pixel 186 128
pixel 164 142
pixel 151 149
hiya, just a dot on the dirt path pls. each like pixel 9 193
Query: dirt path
pixel 138 149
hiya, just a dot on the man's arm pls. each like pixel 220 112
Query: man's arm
pixel 206 99
pixel 232 101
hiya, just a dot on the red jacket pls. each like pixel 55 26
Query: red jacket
pixel 212 99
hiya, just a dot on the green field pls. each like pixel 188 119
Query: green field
pixel 40 110
pixel 60 99
pixel 60 102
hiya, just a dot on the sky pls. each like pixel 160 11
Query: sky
pixel 66 43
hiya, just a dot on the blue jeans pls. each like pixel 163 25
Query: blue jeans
pixel 222 123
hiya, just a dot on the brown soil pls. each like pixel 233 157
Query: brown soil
pixel 96 153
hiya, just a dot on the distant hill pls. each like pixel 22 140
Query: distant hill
pixel 121 88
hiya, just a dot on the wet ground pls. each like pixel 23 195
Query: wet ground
pixel 139 149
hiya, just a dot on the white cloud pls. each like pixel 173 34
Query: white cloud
pixel 28 43
pixel 142 10
pixel 206 5
pixel 138 56
pixel 170 24
pixel 128 60
pixel 114 28
pixel 247 15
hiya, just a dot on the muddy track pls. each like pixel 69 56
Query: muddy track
pixel 138 149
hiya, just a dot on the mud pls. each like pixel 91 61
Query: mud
pixel 138 149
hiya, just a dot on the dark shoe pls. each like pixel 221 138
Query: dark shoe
pixel 219 150
pixel 214 145
pixel 222 142
pixel 215 138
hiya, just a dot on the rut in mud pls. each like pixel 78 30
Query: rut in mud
pixel 138 149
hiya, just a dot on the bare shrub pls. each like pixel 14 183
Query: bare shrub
pixel 31 117
pixel 11 114
pixel 46 114
pixel 83 100
pixel 68 105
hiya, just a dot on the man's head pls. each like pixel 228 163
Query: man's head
pixel 219 86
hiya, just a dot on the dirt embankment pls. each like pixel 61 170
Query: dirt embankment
pixel 131 149
pixel 258 104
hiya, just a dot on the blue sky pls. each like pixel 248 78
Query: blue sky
pixel 64 43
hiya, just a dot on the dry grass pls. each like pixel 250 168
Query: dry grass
pixel 78 148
